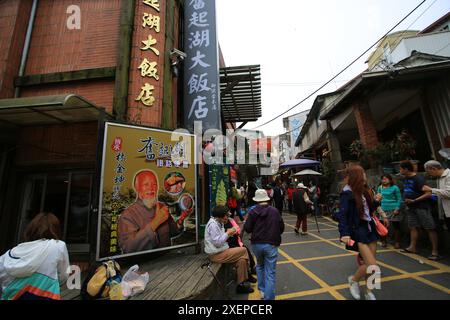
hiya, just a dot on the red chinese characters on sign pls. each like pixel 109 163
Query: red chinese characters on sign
pixel 117 145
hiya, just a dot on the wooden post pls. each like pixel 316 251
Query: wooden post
pixel 120 104
pixel 167 108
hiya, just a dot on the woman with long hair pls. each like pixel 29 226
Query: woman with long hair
pixel 356 225
pixel 34 269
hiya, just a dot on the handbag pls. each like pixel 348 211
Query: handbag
pixel 381 229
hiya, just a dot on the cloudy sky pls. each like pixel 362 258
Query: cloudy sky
pixel 301 44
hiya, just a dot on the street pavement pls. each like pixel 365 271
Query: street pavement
pixel 316 267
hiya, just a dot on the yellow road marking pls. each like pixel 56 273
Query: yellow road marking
pixel 333 289
pixel 418 278
pixel 319 258
pixel 319 281
pixel 303 242
pixel 345 286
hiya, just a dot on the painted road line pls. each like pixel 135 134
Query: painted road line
pixel 428 282
pixel 301 242
pixel 315 278
pixel 345 286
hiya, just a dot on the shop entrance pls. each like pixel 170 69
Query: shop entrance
pixel 66 194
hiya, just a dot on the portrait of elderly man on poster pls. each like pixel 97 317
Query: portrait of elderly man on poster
pixel 147 224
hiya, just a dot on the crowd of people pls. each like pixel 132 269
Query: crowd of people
pixel 34 268
pixel 363 212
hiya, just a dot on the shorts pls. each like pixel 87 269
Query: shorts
pixel 366 234
pixel 420 218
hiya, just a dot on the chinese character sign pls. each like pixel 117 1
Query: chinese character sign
pixel 202 101
pixel 148 192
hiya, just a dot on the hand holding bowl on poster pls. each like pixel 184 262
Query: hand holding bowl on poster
pixel 174 183
pixel 186 204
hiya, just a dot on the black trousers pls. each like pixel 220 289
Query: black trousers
pixel 447 223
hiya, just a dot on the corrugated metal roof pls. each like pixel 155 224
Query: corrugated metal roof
pixel 240 90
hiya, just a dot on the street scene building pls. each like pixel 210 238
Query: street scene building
pixel 126 137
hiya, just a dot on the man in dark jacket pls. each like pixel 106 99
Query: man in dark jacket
pixel 278 197
pixel 265 225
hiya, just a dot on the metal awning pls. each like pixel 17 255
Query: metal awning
pixel 47 110
pixel 240 90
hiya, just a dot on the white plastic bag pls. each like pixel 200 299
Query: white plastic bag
pixel 133 283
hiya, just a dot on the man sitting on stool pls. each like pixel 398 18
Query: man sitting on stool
pixel 217 248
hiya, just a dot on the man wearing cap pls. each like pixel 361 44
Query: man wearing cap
pixel 265 225
pixel 301 201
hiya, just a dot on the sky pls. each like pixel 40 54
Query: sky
pixel 301 44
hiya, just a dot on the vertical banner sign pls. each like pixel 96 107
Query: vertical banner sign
pixel 201 69
pixel 219 185
pixel 148 192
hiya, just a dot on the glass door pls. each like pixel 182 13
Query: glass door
pixel 65 194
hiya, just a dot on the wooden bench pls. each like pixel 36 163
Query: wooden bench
pixel 175 277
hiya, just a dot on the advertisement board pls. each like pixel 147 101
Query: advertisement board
pixel 219 185
pixel 147 192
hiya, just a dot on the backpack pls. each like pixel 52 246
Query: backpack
pixel 98 281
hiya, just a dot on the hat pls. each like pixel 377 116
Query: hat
pixel 301 186
pixel 261 196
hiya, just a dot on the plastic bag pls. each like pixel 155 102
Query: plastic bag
pixel 134 283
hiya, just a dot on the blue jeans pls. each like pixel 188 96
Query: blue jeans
pixel 266 257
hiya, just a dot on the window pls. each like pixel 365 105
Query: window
pixel 65 194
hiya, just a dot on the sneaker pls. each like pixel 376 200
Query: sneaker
pixel 252 279
pixel 242 288
pixel 304 233
pixel 354 288
pixel 370 296
pixel 296 231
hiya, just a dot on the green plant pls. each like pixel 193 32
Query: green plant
pixel 357 149
pixel 403 146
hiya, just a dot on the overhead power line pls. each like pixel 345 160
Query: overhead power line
pixel 343 70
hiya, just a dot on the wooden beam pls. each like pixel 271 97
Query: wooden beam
pixel 58 77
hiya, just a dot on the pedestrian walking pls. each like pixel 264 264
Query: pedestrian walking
pixel 357 227
pixel 34 269
pixel 314 191
pixel 437 170
pixel 251 190
pixel 278 197
pixel 418 209
pixel 301 202
pixel 391 199
pixel 265 225
pixel 218 250
pixel 232 201
pixel 290 192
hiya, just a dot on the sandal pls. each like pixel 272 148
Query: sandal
pixel 434 257
pixel 407 251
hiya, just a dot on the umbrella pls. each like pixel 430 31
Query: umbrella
pixel 299 163
pixel 307 172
